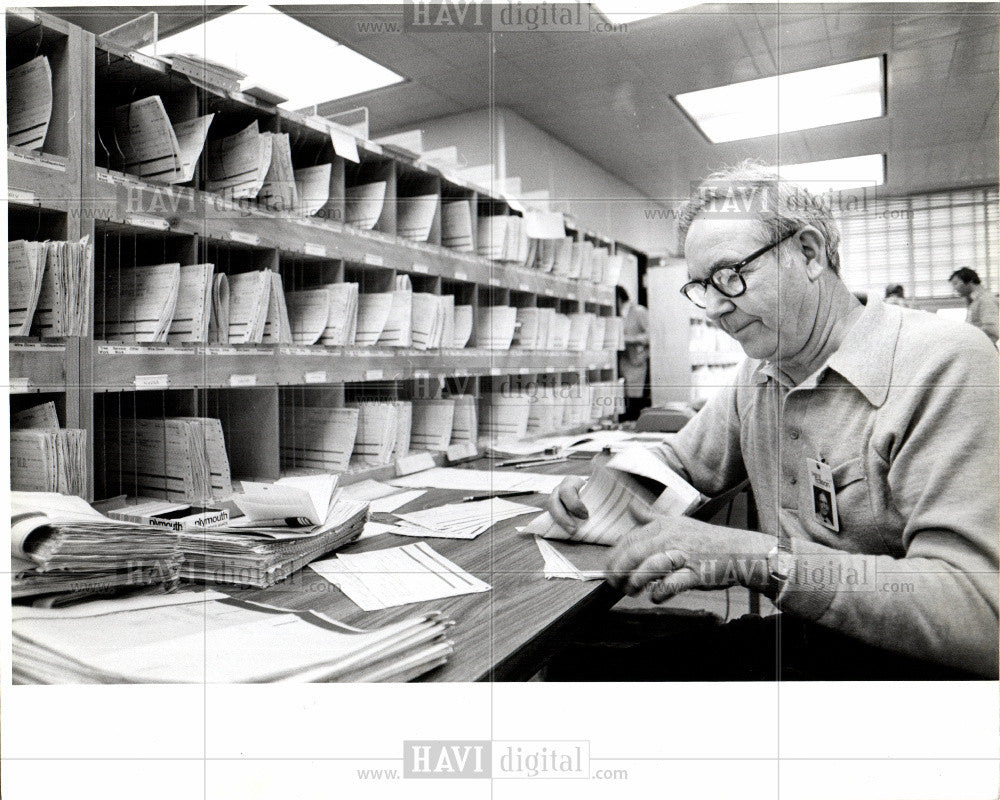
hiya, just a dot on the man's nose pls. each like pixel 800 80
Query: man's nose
pixel 717 304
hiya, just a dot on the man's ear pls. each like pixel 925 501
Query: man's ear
pixel 814 248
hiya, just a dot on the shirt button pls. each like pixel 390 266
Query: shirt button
pixel 794 434
pixel 793 481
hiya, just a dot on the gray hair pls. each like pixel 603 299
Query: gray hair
pixel 780 206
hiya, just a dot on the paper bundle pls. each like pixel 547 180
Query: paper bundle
pixel 60 544
pixel 317 438
pixel 363 204
pixel 43 417
pixel 47 460
pixel 546 411
pixel 249 305
pixel 383 432
pixel 312 188
pixel 465 421
pixel 432 424
pixel 399 323
pixel 456 225
pixel 415 216
pixel 25 271
pixel 427 320
pixel 137 304
pixel 460 520
pixel 308 314
pixel 559 332
pixel 218 323
pixel 156 149
pixel 504 416
pixel 614 333
pixel 598 326
pixel 579 331
pixel 632 476
pixel 463 327
pixel 562 260
pixel 63 307
pixel 495 327
pixel 607 398
pixel 29 103
pixel 239 164
pixel 278 192
pixel 373 313
pixel 277 328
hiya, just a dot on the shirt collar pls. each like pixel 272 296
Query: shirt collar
pixel 864 358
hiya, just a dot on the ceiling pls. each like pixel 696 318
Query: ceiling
pixel 608 94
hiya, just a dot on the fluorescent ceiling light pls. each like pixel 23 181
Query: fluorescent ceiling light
pixel 795 101
pixel 282 54
pixel 619 12
pixel 836 174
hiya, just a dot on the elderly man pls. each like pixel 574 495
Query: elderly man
pixel 984 310
pixel 893 412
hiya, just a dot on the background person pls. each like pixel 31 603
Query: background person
pixel 633 361
pixel 984 310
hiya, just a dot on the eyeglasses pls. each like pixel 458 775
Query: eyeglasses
pixel 727 278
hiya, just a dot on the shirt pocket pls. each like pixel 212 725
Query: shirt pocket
pixel 854 508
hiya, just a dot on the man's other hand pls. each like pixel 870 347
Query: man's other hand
pixel 565 505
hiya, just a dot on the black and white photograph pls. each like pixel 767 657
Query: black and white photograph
pixel 600 392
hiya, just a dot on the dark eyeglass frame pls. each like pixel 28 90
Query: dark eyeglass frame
pixel 711 279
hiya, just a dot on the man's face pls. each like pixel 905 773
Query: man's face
pixel 824 506
pixel 774 317
pixel 960 287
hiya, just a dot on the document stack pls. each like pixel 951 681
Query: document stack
pixel 415 216
pixel 532 328
pixel 278 191
pixel 170 636
pixel 342 324
pixel 373 314
pixel 25 271
pixel 253 165
pixel 45 457
pixel 607 398
pixel 546 411
pixel 138 304
pixel 327 315
pixel 560 326
pixel 615 264
pixel 456 225
pixel 29 103
pixel 614 333
pixel 363 204
pixel 193 313
pixel 504 416
pixel 218 323
pixel 598 329
pixel 432 315
pixel 179 458
pixel 61 545
pixel 463 327
pixel 398 329
pixel 383 432
pixel 278 536
pixel 495 327
pixel 257 309
pixel 579 331
pixel 318 438
pixel 312 188
pixel 433 421
pixel 63 304
pixel 465 422
pixel 503 238
pixel 153 147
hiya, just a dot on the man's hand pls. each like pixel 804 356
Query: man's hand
pixel 676 554
pixel 565 505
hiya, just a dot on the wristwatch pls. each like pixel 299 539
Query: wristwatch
pixel 780 563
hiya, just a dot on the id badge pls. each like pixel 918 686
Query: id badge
pixel 824 496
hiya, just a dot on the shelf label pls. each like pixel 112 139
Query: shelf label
pixel 138 349
pixel 20 384
pixel 38 346
pixel 551 368
pixel 460 373
pixel 462 451
pixel 224 350
pixel 374 260
pixel 522 370
pixel 244 238
pixel 373 374
pixel 415 463
pixel 243 380
pixel 296 351
pixel 421 374
pixel 496 371
pixel 21 196
pixel 422 268
pixel 151 381
pixel 461 276
pixel 573 296
pixel 524 287
pixel 146 221
pixel 315 377
pixel 549 292
pixel 314 249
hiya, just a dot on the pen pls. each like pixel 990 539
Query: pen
pixel 488 495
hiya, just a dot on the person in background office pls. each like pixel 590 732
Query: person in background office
pixel 892 410
pixel 633 361
pixel 984 310
pixel 895 296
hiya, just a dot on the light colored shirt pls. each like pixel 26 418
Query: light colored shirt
pixel 984 312
pixel 906 414
pixel 634 364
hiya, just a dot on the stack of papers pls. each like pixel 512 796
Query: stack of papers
pixel 607 398
pixel 61 544
pixel 342 323
pixel 373 313
pixel 634 476
pixel 317 438
pixel 415 216
pixel 474 480
pixel 503 238
pixel 63 307
pixel 312 188
pixel 239 164
pixel 193 312
pixel 465 422
pixel 456 225
pixel 559 330
pixel 254 553
pixel 432 424
pixel 205 637
pixel 495 327
pixel 137 305
pixel 304 501
pixel 533 328
pixel 579 331
pixel 557 564
pixel 397 576
pixel 257 309
pixel 598 328
pixel 156 149
pixel 428 319
pixel 25 270
pixel 363 204
pixel 504 416
pixel 383 432
pixel 43 416
pixel 182 458
pixel 49 460
pixel 546 412
pixel 308 314
pixel 29 103
pixel 463 327
pixel 398 329
pixel 460 520
pixel 614 333
pixel 278 192
pixel 277 328
pixel 218 323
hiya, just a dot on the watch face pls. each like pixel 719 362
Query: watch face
pixel 779 564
